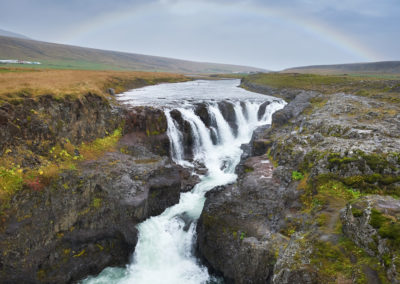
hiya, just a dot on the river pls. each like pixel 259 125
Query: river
pixel 165 249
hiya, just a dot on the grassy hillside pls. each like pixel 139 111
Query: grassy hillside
pixel 19 83
pixel 384 67
pixel 60 56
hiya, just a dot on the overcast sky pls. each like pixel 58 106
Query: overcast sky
pixel 261 33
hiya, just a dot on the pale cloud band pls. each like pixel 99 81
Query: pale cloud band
pixel 268 34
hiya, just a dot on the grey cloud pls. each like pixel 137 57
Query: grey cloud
pixel 227 31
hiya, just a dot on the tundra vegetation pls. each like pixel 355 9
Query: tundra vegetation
pixel 342 152
pixel 30 162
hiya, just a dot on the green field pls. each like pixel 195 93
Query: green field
pixel 381 86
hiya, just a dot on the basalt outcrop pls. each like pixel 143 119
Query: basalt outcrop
pixel 84 219
pixel 304 208
pixel 46 120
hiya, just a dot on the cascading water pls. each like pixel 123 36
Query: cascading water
pixel 164 252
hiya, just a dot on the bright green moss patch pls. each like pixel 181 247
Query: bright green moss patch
pixel 11 180
pixel 325 189
pixel 297 175
pixel 96 148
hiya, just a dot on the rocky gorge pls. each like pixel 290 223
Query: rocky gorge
pixel 314 202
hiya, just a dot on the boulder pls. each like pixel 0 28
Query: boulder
pixel 238 230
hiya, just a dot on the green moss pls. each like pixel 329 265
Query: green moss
pixel 11 180
pixel 248 169
pixel 387 259
pixel 374 161
pixel 376 219
pixel 81 253
pixel 234 234
pixel 322 220
pixel 387 228
pixel 96 202
pixel 41 274
pixel 356 212
pixel 343 260
pixel 390 230
pixel 339 161
pixel 297 175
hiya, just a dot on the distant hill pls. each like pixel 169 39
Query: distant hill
pixel 388 67
pixel 61 56
pixel 11 34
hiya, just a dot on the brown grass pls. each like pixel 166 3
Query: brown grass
pixel 16 83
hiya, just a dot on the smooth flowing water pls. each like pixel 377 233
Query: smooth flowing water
pixel 164 252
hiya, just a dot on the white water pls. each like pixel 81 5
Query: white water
pixel 164 252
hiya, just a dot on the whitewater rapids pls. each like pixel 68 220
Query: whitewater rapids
pixel 165 248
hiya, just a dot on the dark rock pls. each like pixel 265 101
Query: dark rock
pixel 85 220
pixel 293 109
pixel 49 120
pixel 238 230
pixel 201 110
pixel 111 91
pixel 228 112
pixel 147 126
pixel 261 110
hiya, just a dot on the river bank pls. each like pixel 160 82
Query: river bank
pixel 318 201
pixel 78 172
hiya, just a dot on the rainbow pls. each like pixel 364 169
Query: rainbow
pixel 316 29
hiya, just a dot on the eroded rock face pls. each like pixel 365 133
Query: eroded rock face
pixel 147 126
pixel 48 119
pixel 238 231
pixel 293 264
pixel 86 219
pixel 373 223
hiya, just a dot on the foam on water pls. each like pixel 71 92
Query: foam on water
pixel 164 252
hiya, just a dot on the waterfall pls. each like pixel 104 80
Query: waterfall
pixel 175 138
pixel 164 252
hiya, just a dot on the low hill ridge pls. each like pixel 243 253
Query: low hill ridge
pixel 390 67
pixel 62 56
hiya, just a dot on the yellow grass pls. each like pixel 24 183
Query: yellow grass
pixel 16 82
